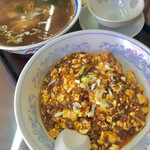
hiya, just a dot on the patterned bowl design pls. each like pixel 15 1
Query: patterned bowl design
pixel 131 53
pixel 31 49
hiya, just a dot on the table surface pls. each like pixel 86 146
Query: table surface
pixel 11 66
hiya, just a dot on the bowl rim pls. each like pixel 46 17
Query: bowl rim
pixel 115 21
pixel 45 48
pixel 78 6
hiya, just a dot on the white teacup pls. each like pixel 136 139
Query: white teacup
pixel 115 13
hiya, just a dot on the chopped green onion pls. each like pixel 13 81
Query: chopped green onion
pixel 90 76
pixel 81 70
pixel 76 107
pixel 110 92
pixel 63 102
pixel 102 103
pixel 84 79
pixel 8 34
pixel 122 111
pixel 98 82
pixel 52 81
pixel 45 79
pixel 19 9
pixel 91 113
pixel 93 86
pixel 77 81
pixel 58 114
pixel 119 104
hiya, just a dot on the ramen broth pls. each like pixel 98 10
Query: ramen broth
pixel 25 22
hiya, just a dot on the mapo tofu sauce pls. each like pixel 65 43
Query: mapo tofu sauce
pixel 25 22
pixel 90 93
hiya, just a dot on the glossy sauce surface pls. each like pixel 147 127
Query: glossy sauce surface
pixel 91 94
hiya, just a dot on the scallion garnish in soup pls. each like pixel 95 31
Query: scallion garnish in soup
pixel 25 22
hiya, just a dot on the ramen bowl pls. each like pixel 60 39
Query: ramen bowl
pixel 129 52
pixel 45 25
pixel 115 13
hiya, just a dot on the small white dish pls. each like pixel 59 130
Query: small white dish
pixel 115 13
pixel 87 21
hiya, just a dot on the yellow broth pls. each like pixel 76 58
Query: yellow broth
pixel 25 22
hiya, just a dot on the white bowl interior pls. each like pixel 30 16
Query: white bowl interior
pixel 131 53
pixel 116 10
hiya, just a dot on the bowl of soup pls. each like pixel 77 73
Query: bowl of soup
pixel 95 83
pixel 27 25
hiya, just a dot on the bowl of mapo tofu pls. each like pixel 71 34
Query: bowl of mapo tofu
pixel 27 25
pixel 94 82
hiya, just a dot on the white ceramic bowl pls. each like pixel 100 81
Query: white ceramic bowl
pixel 115 13
pixel 31 49
pixel 131 53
